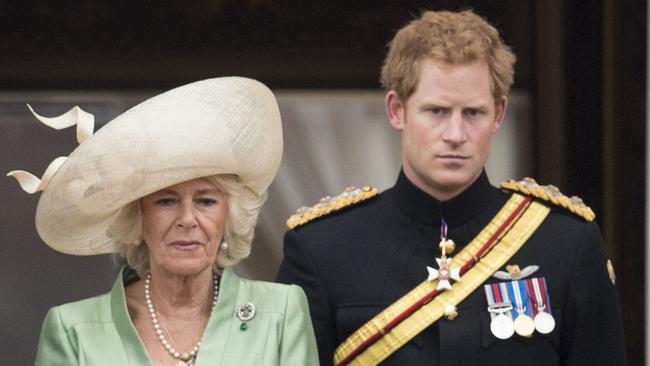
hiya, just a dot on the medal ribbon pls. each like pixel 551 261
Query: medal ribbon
pixel 517 290
pixel 496 300
pixel 503 289
pixel 540 292
pixel 489 295
pixel 443 229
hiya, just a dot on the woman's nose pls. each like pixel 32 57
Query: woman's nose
pixel 186 217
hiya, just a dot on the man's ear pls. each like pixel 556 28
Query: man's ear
pixel 499 113
pixel 395 110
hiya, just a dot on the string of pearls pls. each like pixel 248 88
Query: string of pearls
pixel 183 356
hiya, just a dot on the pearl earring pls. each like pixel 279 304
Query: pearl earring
pixel 224 245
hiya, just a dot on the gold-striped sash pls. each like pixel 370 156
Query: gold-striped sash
pixel 390 329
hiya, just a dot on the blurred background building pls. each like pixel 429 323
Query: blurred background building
pixel 576 117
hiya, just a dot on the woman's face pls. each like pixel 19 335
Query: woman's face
pixel 183 226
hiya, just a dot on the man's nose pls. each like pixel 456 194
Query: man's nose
pixel 455 132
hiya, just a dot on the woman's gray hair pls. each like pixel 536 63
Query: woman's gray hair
pixel 243 209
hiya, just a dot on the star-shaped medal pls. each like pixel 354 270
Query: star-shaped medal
pixel 443 274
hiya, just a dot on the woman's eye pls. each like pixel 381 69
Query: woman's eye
pixel 166 201
pixel 207 202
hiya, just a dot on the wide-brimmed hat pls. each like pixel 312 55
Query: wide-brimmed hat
pixel 228 125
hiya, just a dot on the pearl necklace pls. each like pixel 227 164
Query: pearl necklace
pixel 186 358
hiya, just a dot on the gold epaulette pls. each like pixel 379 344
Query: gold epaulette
pixel 551 194
pixel 326 205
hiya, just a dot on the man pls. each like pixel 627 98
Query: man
pixel 527 281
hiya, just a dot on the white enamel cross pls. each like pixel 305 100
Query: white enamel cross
pixel 443 274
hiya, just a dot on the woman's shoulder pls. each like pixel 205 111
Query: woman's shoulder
pixel 94 309
pixel 269 295
pixel 266 288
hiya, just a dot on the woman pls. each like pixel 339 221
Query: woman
pixel 174 186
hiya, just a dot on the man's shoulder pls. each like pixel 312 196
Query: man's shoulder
pixel 573 209
pixel 352 205
pixel 569 225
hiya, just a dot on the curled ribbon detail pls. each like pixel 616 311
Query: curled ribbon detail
pixel 85 123
pixel 76 116
pixel 31 184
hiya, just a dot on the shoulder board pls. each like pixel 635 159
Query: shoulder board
pixel 552 194
pixel 327 205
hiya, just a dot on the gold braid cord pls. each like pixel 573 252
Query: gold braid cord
pixel 511 240
pixel 552 194
pixel 327 205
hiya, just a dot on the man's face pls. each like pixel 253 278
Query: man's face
pixel 447 126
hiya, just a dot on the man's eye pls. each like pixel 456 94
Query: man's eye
pixel 472 112
pixel 437 110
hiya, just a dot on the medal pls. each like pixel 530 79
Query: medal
pixel 502 326
pixel 500 309
pixel 544 321
pixel 524 324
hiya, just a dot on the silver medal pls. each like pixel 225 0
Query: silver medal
pixel 524 325
pixel 544 322
pixel 502 326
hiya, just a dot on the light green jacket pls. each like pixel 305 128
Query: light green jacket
pixel 99 331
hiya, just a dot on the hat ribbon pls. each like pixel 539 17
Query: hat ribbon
pixel 76 116
pixel 85 123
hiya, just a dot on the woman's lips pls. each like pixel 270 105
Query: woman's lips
pixel 186 245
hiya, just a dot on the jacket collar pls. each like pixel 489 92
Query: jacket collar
pixel 422 207
pixel 221 320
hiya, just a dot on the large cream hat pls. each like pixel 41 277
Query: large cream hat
pixel 228 125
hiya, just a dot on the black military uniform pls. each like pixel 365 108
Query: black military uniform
pixel 355 262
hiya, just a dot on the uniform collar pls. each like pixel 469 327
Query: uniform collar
pixel 426 209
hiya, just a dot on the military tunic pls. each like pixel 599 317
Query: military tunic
pixel 357 261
